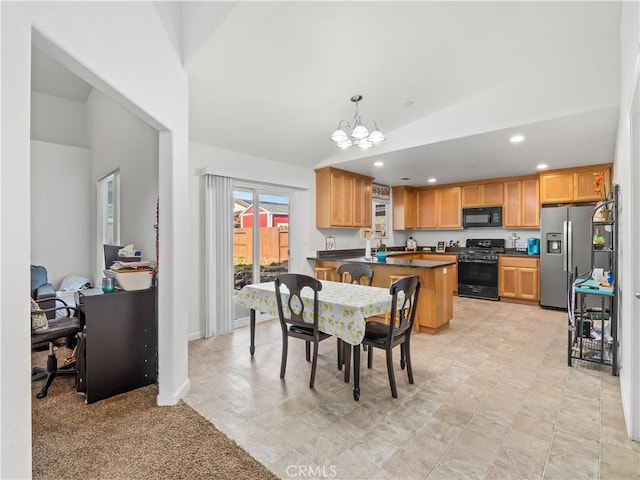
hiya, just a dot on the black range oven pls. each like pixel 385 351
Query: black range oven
pixel 478 268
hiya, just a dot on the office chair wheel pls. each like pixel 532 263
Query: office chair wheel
pixel 42 393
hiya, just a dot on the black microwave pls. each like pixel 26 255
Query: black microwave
pixel 482 217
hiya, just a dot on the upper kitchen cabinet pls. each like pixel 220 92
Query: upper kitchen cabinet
pixel 521 203
pixel 427 208
pixel 449 207
pixel 572 185
pixel 482 195
pixel 404 208
pixel 343 199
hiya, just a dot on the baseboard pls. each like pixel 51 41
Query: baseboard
pixel 169 400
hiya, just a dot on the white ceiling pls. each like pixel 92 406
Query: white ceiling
pixel 272 80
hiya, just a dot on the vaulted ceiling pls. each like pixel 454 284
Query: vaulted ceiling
pixel 447 82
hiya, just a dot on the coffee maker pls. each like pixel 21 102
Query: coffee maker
pixel 533 246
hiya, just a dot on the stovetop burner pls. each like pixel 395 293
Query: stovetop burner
pixel 482 249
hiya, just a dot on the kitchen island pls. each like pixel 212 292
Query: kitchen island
pixel 435 303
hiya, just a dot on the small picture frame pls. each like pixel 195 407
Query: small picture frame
pixel 331 243
pixel 440 247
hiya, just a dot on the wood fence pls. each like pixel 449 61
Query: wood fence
pixel 274 245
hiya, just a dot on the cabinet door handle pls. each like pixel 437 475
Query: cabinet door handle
pixel 637 294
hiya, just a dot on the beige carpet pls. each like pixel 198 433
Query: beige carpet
pixel 129 437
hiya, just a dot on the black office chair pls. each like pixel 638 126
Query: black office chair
pixel 59 327
pixel 356 273
pixel 292 320
pixel 398 331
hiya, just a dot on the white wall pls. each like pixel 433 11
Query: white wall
pixel 629 331
pixel 231 164
pixel 122 49
pixel 57 120
pixel 61 210
pixel 120 140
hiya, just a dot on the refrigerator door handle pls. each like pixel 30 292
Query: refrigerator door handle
pixel 565 233
pixel 569 246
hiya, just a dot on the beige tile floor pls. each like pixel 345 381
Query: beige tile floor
pixel 493 398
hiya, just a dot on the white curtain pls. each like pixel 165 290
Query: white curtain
pixel 219 254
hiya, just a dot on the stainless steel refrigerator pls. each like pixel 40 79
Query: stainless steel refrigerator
pixel 565 243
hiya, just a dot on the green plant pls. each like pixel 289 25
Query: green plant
pixel 382 247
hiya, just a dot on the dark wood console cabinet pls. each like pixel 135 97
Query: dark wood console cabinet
pixel 121 342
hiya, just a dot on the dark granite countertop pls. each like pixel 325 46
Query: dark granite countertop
pixel 391 261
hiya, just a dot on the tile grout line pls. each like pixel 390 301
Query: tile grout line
pixel 555 426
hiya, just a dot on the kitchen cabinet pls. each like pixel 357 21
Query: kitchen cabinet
pixel 404 208
pixel 572 185
pixel 519 279
pixel 435 208
pixel 449 206
pixel 521 204
pixel 427 210
pixel 343 199
pixel 439 257
pixel 362 202
pixel 583 184
pixel 482 195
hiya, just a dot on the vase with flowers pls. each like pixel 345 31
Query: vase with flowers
pixel 600 189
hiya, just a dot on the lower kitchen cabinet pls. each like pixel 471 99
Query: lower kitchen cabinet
pixel 441 257
pixel 519 279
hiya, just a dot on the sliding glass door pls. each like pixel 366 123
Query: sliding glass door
pixel 260 238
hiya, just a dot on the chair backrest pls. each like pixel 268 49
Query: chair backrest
pixel 38 278
pixel 403 315
pixel 356 272
pixel 110 254
pixel 298 309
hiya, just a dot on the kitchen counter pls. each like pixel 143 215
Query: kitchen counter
pixel 393 260
pixel 437 279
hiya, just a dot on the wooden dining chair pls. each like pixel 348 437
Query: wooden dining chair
pixel 398 331
pixel 359 274
pixel 292 318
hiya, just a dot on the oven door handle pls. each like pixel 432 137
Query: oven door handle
pixel 484 262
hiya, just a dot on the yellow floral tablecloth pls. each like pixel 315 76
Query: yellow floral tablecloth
pixel 343 307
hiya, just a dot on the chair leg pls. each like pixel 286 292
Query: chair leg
pixel 408 354
pixel 370 357
pixel 307 346
pixel 346 357
pixel 392 378
pixel 402 356
pixel 340 353
pixel 314 363
pixel 285 347
pixel 51 372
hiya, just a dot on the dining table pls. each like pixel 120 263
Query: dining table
pixel 343 310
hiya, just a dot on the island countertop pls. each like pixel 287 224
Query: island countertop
pixel 391 261
pixel 437 280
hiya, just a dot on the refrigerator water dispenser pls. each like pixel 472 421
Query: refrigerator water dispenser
pixel 554 243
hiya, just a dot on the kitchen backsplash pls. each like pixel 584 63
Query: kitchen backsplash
pixel 350 239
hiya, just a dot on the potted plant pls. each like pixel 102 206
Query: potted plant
pixel 381 253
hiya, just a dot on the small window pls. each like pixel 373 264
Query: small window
pixel 109 208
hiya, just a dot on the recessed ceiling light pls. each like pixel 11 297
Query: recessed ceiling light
pixel 378 164
pixel 432 180
pixel 516 139
pixel 542 166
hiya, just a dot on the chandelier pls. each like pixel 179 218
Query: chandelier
pixel 356 132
